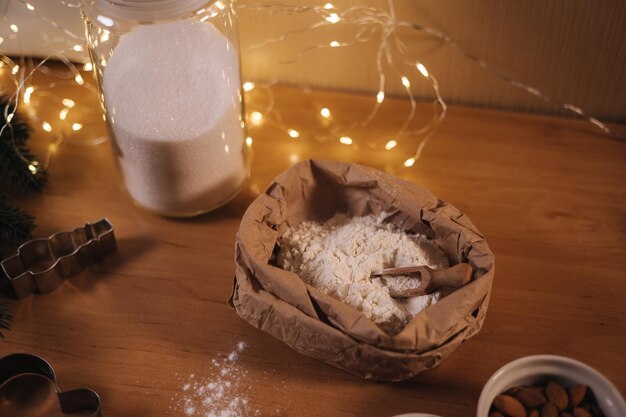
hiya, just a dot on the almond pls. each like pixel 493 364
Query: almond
pixel 549 410
pixel 534 413
pixel 576 394
pixel 581 412
pixel 531 397
pixel 513 390
pixel 557 395
pixel 509 406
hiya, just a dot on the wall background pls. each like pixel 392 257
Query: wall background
pixel 573 50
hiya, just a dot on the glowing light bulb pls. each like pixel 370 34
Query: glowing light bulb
pixel 106 21
pixel 334 44
pixel 68 102
pixel 79 79
pixel 380 97
pixel 219 5
pixel 406 82
pixel 249 141
pixel 14 28
pixel 46 126
pixel 30 7
pixel 77 126
pixel 15 69
pixel 29 90
pixel 391 144
pixel 329 6
pixel 293 133
pixel 325 113
pixel 256 117
pixel 332 18
pixel 422 69
pixel 63 113
pixel 248 86
pixel 345 140
pixel 78 48
pixel 32 168
pixel 409 162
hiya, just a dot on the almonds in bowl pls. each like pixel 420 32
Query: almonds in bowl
pixel 546 400
pixel 549 386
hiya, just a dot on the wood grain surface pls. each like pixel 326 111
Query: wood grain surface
pixel 548 194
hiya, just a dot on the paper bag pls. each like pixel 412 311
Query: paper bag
pixel 317 325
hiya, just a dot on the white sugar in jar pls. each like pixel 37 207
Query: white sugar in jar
pixel 168 73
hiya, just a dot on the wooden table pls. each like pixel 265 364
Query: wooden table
pixel 547 193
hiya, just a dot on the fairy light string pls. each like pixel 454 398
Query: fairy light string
pixel 25 88
pixel 372 24
pixel 371 21
pixel 369 17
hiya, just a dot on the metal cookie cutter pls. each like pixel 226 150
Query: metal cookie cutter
pixel 22 391
pixel 41 265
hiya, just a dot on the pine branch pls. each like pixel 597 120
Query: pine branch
pixel 21 129
pixel 15 225
pixel 5 318
pixel 19 170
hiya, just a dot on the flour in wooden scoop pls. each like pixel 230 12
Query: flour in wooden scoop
pixel 339 256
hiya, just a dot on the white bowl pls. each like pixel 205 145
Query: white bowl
pixel 541 368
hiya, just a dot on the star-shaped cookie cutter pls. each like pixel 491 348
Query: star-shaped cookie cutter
pixel 20 365
pixel 41 265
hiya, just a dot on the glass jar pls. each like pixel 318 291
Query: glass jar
pixel 169 78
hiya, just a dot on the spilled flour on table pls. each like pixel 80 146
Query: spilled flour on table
pixel 222 395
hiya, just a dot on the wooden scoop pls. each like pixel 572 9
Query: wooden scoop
pixel 430 279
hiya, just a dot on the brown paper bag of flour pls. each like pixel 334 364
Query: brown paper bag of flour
pixel 317 325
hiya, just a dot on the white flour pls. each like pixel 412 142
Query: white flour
pixel 402 282
pixel 172 95
pixel 339 256
pixel 222 395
